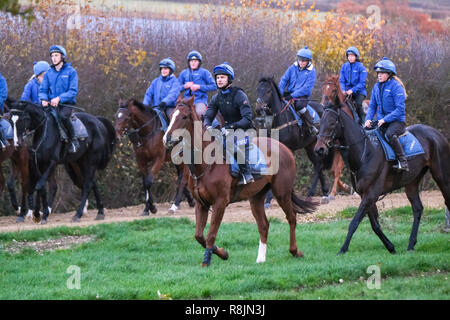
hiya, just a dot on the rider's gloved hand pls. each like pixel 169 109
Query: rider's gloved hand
pixel 224 131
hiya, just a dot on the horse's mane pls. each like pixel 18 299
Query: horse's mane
pixel 271 79
pixel 142 107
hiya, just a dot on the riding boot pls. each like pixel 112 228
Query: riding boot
pixel 74 145
pixel 246 174
pixel 402 163
pixel 309 121
pixel 3 142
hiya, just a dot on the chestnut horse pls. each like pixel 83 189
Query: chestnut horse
pixel 213 186
pixel 143 122
pixel 373 175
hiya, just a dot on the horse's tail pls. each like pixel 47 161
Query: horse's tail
pixel 303 206
pixel 110 142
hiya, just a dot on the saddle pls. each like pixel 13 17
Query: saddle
pixel 257 161
pixel 311 111
pixel 78 127
pixel 411 145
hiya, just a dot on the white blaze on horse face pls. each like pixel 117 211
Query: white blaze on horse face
pixel 120 115
pixel 14 119
pixel 174 116
pixel 261 252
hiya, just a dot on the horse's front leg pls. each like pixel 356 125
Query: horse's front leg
pixel 180 188
pixel 216 220
pixel 88 182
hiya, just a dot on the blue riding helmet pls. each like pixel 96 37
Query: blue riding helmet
pixel 59 49
pixel 224 68
pixel 167 63
pixel 194 55
pixel 352 50
pixel 385 65
pixel 39 67
pixel 304 53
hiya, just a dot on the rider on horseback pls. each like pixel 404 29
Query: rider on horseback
pixel 353 80
pixel 388 102
pixel 31 89
pixel 60 85
pixel 298 82
pixel 157 94
pixel 233 104
pixel 3 95
pixel 195 80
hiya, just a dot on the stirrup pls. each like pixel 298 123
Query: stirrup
pixel 243 180
pixel 398 166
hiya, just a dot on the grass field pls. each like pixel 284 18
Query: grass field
pixel 134 260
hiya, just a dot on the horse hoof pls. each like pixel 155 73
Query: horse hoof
pixel 324 200
pixel 331 197
pixel 44 221
pixel 173 209
pixel 205 265
pixel 192 203
pixel 153 210
pixel 76 219
pixel 36 220
pixel 267 205
pixel 222 253
pixel 145 213
pixel 20 219
pixel 100 217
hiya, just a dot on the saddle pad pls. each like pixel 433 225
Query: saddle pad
pixel 257 161
pixel 7 129
pixel 312 112
pixel 409 142
pixel 79 128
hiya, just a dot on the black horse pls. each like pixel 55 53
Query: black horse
pixel 47 151
pixel 374 176
pixel 273 113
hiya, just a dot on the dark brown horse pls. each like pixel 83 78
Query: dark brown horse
pixel 373 175
pixel 213 186
pixel 135 119
pixel 271 106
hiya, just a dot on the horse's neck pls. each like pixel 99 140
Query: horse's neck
pixel 140 118
pixel 194 146
pixel 277 101
pixel 357 141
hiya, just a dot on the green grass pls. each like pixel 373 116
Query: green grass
pixel 133 260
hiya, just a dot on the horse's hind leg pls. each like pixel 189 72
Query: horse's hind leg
pixel 98 200
pixel 412 192
pixel 373 217
pixel 443 182
pixel 88 183
pixel 257 206
pixel 284 199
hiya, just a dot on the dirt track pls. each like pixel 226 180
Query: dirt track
pixel 237 212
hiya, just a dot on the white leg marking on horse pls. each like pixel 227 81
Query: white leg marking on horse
pixel 14 119
pixel 174 116
pixel 29 214
pixel 173 208
pixel 261 252
pixel 85 207
pixel 146 196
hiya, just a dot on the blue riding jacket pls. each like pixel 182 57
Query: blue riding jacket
pixel 387 101
pixel 353 77
pixel 3 92
pixel 31 91
pixel 299 82
pixel 159 90
pixel 199 76
pixel 62 84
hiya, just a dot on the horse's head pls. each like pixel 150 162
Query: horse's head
pixel 19 118
pixel 121 118
pixel 330 90
pixel 330 129
pixel 267 93
pixel 182 118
